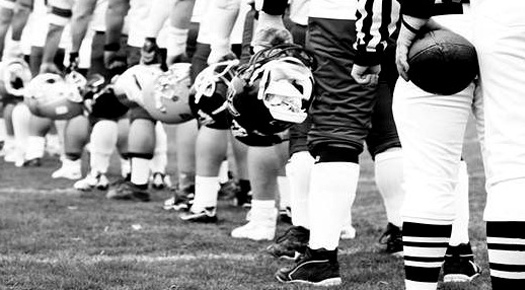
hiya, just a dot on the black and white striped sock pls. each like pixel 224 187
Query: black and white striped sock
pixel 424 247
pixel 506 246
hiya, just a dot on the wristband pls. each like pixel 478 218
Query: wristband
pixel 409 27
pixel 112 47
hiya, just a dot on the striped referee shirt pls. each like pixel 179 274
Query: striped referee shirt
pixel 375 22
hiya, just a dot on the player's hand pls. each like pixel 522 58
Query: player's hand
pixel 73 61
pixel 366 75
pixel 150 52
pixel 218 56
pixel 410 26
pixel 114 57
pixel 14 50
pixel 49 67
pixel 270 32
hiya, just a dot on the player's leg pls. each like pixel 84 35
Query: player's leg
pixel 385 148
pixel 431 129
pixel 76 136
pixel 336 140
pixel 9 142
pixel 159 162
pixel 499 38
pixel 210 151
pixel 265 165
pixel 141 147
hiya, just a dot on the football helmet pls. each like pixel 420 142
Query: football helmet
pixel 129 85
pixel 15 75
pixel 210 89
pixel 272 92
pixel 51 96
pixel 167 98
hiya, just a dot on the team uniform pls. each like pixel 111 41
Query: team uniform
pixel 498 30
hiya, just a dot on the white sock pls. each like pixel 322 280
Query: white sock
pixel 263 211
pixel 298 172
pixel 125 167
pixel 3 133
pixel 35 147
pixel 460 225
pixel 21 116
pixel 223 172
pixel 284 192
pixel 139 170
pixel 103 142
pixel 332 192
pixel 206 192
pixel 389 181
pixel 160 155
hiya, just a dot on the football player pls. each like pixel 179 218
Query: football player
pixel 498 32
pixel 213 136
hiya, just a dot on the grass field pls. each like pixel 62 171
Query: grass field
pixel 53 237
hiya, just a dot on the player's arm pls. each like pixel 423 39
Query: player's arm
pixel 224 13
pixel 22 12
pixel 414 15
pixel 6 16
pixel 376 21
pixel 115 15
pixel 82 14
pixel 59 15
pixel 270 28
pixel 180 19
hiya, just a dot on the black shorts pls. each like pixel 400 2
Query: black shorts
pixel 343 112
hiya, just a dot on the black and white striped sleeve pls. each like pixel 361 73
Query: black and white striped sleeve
pixel 376 21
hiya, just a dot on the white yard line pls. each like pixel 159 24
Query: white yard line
pixel 85 259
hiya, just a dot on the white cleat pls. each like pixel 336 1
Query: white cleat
pixel 93 180
pixel 255 231
pixel 69 170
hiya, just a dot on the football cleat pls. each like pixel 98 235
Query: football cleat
pixel 393 239
pixel 50 96
pixel 167 98
pixel 207 215
pixel 459 264
pixel 128 191
pixel 35 162
pixel 270 94
pixel 182 200
pixel 291 244
pixel 315 267
pixel 94 180
pixel 285 215
pixel 70 170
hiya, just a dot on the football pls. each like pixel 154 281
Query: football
pixel 442 62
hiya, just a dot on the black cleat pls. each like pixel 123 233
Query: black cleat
pixel 459 265
pixel 128 191
pixel 315 267
pixel 208 215
pixel 291 244
pixel 182 200
pixel 35 162
pixel 393 239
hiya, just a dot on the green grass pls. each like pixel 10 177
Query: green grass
pixel 52 237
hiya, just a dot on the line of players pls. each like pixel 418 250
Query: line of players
pixel 109 37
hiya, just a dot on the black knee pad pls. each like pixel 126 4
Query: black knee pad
pixel 148 156
pixel 136 113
